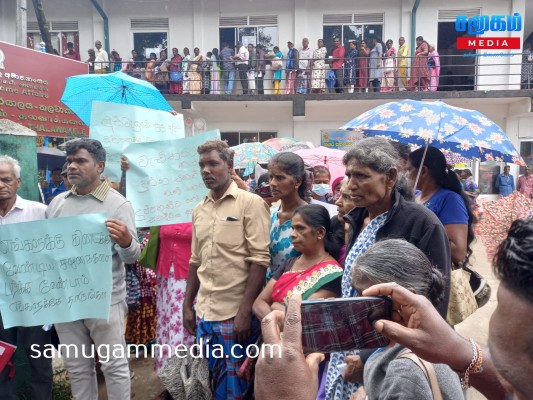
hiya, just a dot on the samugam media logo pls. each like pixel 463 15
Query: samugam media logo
pixel 480 24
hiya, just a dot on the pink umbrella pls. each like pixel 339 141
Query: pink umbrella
pixel 330 158
pixel 279 143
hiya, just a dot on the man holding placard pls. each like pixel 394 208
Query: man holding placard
pixel 88 195
pixel 231 235
pixel 14 209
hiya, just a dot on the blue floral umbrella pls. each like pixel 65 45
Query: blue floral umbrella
pixel 249 154
pixel 468 133
pixel 118 87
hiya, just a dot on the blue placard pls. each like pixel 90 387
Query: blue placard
pixel 164 182
pixel 55 270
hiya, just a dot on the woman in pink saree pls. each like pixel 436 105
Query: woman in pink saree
pixel 434 69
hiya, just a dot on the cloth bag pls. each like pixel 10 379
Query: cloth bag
pixel 148 258
pixel 462 300
pixel 388 65
pixel 187 378
pixel 176 76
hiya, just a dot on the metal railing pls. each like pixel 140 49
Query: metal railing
pixel 475 71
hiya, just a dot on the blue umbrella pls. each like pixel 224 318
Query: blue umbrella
pixel 82 90
pixel 249 154
pixel 468 133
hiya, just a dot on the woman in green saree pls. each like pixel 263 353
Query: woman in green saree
pixel 315 273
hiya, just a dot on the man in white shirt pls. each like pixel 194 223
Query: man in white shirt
pixel 304 67
pixel 101 62
pixel 241 61
pixel 13 209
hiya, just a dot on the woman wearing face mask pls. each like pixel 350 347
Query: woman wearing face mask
pixel 321 179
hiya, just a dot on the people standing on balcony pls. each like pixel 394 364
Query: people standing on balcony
pixel 389 68
pixel 364 54
pixel 252 68
pixel 185 67
pixel 206 73
pixel 174 66
pixel 434 68
pixel 150 66
pixel 318 68
pixel 90 60
pixel 351 66
pixel 241 62
pixel 194 73
pixel 375 64
pixel 525 183
pixel 277 67
pixel 261 64
pixel 304 68
pixel 419 70
pixel 505 182
pixel 291 68
pixel 403 63
pixel 527 67
pixel 71 53
pixel 228 68
pixel 337 65
pixel 101 62
pixel 215 71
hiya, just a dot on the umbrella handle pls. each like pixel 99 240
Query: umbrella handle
pixel 421 165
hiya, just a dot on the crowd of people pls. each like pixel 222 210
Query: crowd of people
pixel 251 249
pixel 368 65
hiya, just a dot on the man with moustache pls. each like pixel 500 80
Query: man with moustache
pixel 230 256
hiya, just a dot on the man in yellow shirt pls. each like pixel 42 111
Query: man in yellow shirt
pixel 403 62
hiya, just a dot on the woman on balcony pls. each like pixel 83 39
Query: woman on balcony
pixel 419 70
pixel 149 71
pixel 389 68
pixel 195 76
pixel 375 64
pixel 175 86
pixel 434 69
pixel 318 72
pixel 351 65
pixel 364 53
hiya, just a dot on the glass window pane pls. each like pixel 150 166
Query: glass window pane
pixel 227 35
pixel 371 31
pixel 267 135
pixel 248 35
pixel 149 42
pixel 232 138
pixel 352 32
pixel 249 137
pixel 526 151
pixel 330 33
pixel 267 36
pixel 488 173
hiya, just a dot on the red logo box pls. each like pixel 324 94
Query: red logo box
pixel 488 43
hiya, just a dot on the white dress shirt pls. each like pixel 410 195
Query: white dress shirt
pixel 23 211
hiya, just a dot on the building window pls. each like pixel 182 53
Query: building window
pixel 526 151
pixel 150 35
pixel 61 32
pixel 351 27
pixel 236 138
pixel 249 29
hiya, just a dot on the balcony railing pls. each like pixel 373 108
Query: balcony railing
pixel 476 71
